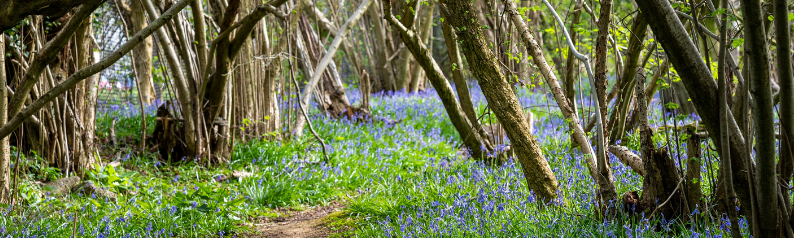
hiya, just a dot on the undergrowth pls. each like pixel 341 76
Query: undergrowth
pixel 401 177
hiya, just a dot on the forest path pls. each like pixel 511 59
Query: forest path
pixel 309 223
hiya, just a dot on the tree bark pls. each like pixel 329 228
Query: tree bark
pixel 426 27
pixel 670 33
pixel 83 103
pixel 784 76
pixel 763 115
pixel 142 52
pixel 471 138
pixel 501 99
pixel 617 121
pixel 382 67
pixel 5 148
pixel 693 178
pixel 323 63
pixel 461 86
pixel 601 57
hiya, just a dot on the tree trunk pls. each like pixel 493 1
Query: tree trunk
pixel 670 33
pixel 660 187
pixel 142 53
pixel 426 27
pixel 756 50
pixel 84 102
pixel 471 138
pixel 461 86
pixel 617 120
pixel 382 68
pixel 572 66
pixel 601 57
pixel 693 179
pixel 5 148
pixel 501 98
pixel 784 75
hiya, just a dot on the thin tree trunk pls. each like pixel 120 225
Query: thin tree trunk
pixel 758 58
pixel 383 67
pixel 501 98
pixel 326 60
pixel 471 138
pixel 724 137
pixel 601 57
pixel 426 27
pixel 572 65
pixel 696 76
pixel 5 148
pixel 617 120
pixel 784 75
pixel 461 86
pixel 407 18
pixel 142 53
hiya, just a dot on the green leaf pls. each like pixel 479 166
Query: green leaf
pixel 737 42
pixel 237 202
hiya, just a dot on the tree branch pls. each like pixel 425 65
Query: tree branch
pixel 90 70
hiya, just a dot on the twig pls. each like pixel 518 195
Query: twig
pixel 303 111
pixel 668 198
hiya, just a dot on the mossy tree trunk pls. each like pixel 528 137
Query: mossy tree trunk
pixel 501 98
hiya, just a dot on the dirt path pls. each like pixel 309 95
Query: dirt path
pixel 298 224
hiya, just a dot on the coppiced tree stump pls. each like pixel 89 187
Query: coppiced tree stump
pixel 661 188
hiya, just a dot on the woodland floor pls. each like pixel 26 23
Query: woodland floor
pixel 311 223
pixel 398 175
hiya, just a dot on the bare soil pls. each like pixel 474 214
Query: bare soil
pixel 297 224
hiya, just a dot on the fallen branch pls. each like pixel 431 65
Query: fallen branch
pixel 628 158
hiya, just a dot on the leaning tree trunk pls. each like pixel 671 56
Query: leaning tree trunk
pixel 473 140
pixel 461 86
pixel 763 115
pixel 696 76
pixel 501 98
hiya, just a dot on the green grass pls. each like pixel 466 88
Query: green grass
pixel 404 180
